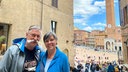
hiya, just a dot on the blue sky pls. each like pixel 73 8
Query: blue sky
pixel 91 14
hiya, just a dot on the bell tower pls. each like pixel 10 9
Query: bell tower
pixel 110 17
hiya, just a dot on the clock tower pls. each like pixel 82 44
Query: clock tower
pixel 110 17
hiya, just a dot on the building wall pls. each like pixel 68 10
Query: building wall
pixel 124 28
pixel 99 39
pixel 19 15
pixel 80 37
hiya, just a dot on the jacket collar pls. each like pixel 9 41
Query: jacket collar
pixel 21 45
pixel 55 56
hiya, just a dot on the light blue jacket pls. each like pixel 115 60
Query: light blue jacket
pixel 13 58
pixel 59 63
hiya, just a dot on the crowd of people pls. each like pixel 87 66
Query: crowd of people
pixel 95 67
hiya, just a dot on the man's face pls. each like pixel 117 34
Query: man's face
pixel 33 36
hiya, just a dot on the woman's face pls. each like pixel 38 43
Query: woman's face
pixel 50 43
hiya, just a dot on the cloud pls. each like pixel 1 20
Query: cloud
pixel 77 21
pixel 84 24
pixel 96 26
pixel 115 1
pixel 84 10
pixel 87 8
pixel 99 24
pixel 100 5
pixel 88 28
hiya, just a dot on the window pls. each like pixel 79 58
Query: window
pixel 115 47
pixel 119 48
pixel 125 11
pixel 53 26
pixel 3 37
pixel 0 2
pixel 121 18
pixel 55 3
pixel 119 31
pixel 119 40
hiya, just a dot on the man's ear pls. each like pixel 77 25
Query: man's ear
pixel 26 33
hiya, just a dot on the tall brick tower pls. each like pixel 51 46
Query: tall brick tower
pixel 110 28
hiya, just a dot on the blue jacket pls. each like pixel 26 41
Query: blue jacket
pixel 13 58
pixel 59 62
pixel 111 68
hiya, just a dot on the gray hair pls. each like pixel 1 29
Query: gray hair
pixel 48 34
pixel 34 27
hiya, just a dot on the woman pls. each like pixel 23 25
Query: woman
pixel 53 59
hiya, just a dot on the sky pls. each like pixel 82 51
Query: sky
pixel 91 14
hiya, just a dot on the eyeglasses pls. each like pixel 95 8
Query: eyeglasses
pixel 34 35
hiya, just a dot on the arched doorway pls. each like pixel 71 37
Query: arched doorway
pixel 107 45
pixel 66 52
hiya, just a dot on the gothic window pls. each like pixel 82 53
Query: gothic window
pixel 115 47
pixel 121 18
pixel 0 2
pixel 119 31
pixel 55 3
pixel 125 12
pixel 119 40
pixel 119 48
pixel 53 26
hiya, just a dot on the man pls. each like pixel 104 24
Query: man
pixel 110 68
pixel 23 55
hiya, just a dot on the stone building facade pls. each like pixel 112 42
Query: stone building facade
pixel 51 15
pixel 124 27
pixel 80 37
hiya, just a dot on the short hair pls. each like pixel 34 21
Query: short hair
pixel 48 34
pixel 34 27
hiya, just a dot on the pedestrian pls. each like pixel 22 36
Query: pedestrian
pixel 87 65
pixel 53 60
pixel 103 69
pixel 73 69
pixel 97 69
pixel 23 55
pixel 120 67
pixel 111 68
pixel 116 69
pixel 79 67
pixel 92 67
